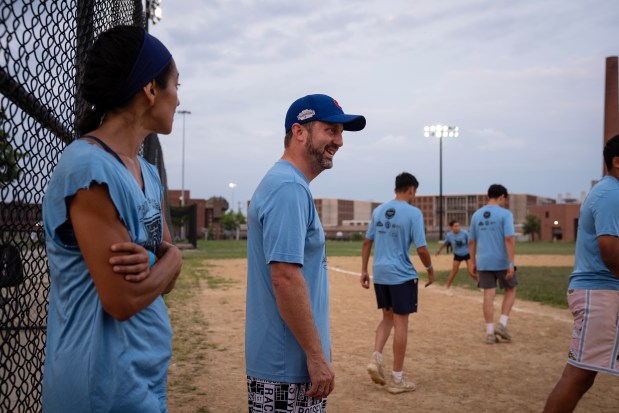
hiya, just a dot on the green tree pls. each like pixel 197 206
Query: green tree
pixel 232 221
pixel 532 225
pixel 9 156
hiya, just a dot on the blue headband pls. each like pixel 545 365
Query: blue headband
pixel 153 58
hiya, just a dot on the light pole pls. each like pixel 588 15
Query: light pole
pixel 152 11
pixel 232 185
pixel 440 132
pixel 183 112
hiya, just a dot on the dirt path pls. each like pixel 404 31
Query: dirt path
pixel 447 357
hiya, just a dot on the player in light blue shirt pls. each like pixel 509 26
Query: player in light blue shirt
pixel 593 293
pixel 394 227
pixel 109 338
pixel 287 339
pixel 492 247
pixel 458 238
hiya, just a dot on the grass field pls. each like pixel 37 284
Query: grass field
pixel 546 285
pixel 238 249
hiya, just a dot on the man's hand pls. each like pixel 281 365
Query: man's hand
pixel 474 270
pixel 321 377
pixel 134 264
pixel 431 277
pixel 365 279
pixel 510 273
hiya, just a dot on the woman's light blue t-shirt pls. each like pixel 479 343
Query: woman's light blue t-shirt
pixel 95 363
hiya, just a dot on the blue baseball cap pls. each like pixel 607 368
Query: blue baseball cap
pixel 323 108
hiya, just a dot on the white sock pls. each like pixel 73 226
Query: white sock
pixel 397 376
pixel 489 328
pixel 503 320
pixel 379 357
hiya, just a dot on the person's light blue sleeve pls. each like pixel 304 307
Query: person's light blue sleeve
pixel 508 225
pixel 606 217
pixel 419 234
pixel 285 222
pixel 372 227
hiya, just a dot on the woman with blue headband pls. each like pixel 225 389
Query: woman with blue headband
pixel 110 253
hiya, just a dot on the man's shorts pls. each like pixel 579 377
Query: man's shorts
pixel 462 257
pixel 401 297
pixel 488 279
pixel 274 397
pixel 595 337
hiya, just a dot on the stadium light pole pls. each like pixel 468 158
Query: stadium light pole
pixel 184 113
pixel 153 12
pixel 440 132
pixel 232 185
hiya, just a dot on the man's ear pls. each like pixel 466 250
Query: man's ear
pixel 298 132
pixel 615 162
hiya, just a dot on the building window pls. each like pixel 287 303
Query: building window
pixel 547 215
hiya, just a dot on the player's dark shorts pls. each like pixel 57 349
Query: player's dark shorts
pixel 488 279
pixel 462 257
pixel 268 396
pixel 401 297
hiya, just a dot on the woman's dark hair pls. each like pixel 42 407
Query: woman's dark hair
pixel 108 64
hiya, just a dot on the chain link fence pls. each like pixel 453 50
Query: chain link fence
pixel 42 45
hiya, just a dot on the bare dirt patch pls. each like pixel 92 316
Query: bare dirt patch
pixel 447 357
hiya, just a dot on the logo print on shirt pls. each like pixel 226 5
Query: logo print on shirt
pixel 390 213
pixel 152 226
pixel 487 214
pixel 379 224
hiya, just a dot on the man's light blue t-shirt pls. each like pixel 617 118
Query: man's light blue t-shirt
pixel 93 362
pixel 283 226
pixel 459 242
pixel 395 225
pixel 599 215
pixel 490 225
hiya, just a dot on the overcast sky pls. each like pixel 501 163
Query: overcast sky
pixel 523 80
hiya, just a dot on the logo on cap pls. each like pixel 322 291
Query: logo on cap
pixel 306 114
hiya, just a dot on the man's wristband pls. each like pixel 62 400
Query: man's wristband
pixel 511 264
pixel 152 259
pixel 429 267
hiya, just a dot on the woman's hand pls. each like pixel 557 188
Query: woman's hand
pixel 134 264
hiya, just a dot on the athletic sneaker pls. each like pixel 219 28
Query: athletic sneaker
pixel 375 369
pixel 449 292
pixel 491 339
pixel 501 331
pixel 401 386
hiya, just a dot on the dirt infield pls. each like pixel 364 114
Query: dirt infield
pixel 447 357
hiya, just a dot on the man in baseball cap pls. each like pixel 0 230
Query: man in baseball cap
pixel 287 338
